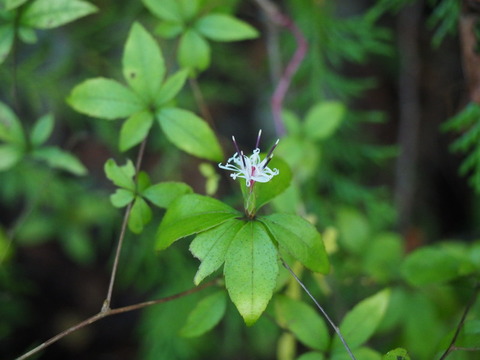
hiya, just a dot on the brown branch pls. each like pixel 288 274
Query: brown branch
pixel 109 312
pixel 278 97
pixel 452 347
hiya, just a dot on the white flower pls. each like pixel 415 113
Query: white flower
pixel 251 168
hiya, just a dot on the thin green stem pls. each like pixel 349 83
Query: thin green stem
pixel 330 321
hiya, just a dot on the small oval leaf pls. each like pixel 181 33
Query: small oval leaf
pixel 205 315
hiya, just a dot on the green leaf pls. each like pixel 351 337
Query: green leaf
pixel 303 321
pixel 104 98
pixel 42 130
pixel 171 87
pixel 430 265
pixel 190 133
pixel 292 122
pixel 164 193
pixel 190 214
pixel 312 355
pixel 9 156
pixel 324 119
pixel 47 14
pixel 135 129
pixel 143 65
pixel 121 198
pixel 251 270
pixel 354 229
pixel 193 51
pixel 122 176
pixel 206 314
pixel 265 192
pixel 383 256
pixel 211 246
pixel 169 29
pixel 361 322
pixel 27 35
pixel 168 10
pixel 300 238
pixel 10 127
pixel 301 154
pixel 60 159
pixel 397 354
pixel 222 27
pixel 140 215
pixel 12 4
pixel 7 35
pixel 363 353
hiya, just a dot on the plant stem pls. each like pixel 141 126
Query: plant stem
pixel 452 347
pixel 108 312
pixel 202 106
pixel 330 321
pixel 108 299
pixel 278 18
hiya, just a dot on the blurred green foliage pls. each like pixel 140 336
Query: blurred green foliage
pixel 53 189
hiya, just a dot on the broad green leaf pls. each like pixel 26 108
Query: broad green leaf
pixel 10 127
pixel 363 353
pixel 222 27
pixel 211 246
pixel 27 35
pixel 323 119
pixel 60 159
pixel 265 192
pixel 301 154
pixel 140 215
pixel 300 238
pixel 121 198
pixel 104 98
pixel 361 322
pixel 206 314
pixel 171 87
pixel 303 321
pixel 135 129
pixel 143 182
pixel 312 355
pixel 122 176
pixel 6 40
pixel 190 214
pixel 164 193
pixel 47 14
pixel 430 265
pixel 193 51
pixel 383 256
pixel 12 4
pixel 42 130
pixel 169 29
pixel 190 133
pixel 188 8
pixel 143 65
pixel 251 270
pixel 168 10
pixel 292 123
pixel 397 354
pixel 354 230
pixel 9 156
pixel 422 318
